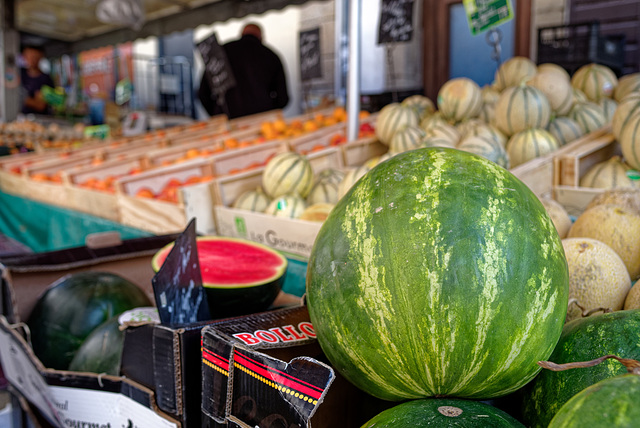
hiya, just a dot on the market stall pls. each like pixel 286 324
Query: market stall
pixel 336 267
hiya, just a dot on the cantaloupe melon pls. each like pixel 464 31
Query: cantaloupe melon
pixel 627 84
pixel 595 80
pixel 565 129
pixel 609 174
pixel 513 72
pixel 287 206
pixel 352 176
pixel 323 192
pixel 597 276
pixel 628 107
pixel 393 117
pixel 438 127
pixel 530 144
pixel 557 89
pixel 589 116
pixel 437 141
pixel 252 200
pixel 459 99
pixel 609 107
pixel 316 212
pixel 487 148
pixel 559 216
pixel 422 105
pixel 617 227
pixel 405 139
pixel 630 141
pixel 521 107
pixel 627 198
pixel 633 298
pixel 287 173
pixel 549 67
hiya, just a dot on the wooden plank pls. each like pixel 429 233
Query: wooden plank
pixel 152 215
pixel 356 153
pixel 575 199
pixel 237 160
pixel 49 193
pixel 323 137
pixel 255 119
pixel 12 183
pixel 576 163
pixel 94 202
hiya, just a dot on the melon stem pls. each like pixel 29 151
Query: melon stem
pixel 632 366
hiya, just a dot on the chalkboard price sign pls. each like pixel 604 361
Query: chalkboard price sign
pixel 310 66
pixel 396 21
pixel 216 65
pixel 485 14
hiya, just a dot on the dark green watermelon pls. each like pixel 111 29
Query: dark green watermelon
pixel 73 307
pixel 101 352
pixel 584 339
pixel 443 413
pixel 610 403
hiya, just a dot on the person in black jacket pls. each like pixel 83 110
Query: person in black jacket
pixel 261 84
pixel 32 80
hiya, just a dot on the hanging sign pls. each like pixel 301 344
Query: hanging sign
pixel 485 14
pixel 216 65
pixel 396 21
pixel 310 66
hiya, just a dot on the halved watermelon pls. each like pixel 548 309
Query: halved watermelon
pixel 239 276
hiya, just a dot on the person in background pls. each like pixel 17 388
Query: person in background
pixel 32 80
pixel 261 83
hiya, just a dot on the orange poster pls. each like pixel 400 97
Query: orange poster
pixel 97 72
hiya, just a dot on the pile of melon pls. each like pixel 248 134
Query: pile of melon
pixel 290 189
pixel 529 111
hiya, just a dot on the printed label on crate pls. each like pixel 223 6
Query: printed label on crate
pixel 287 235
pixel 21 372
pixel 485 14
pixel 88 408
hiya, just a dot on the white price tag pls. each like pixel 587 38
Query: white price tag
pixel 23 374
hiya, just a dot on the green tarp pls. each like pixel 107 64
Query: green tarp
pixel 44 227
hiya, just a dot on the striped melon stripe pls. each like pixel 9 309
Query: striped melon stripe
pixel 587 116
pixel 631 151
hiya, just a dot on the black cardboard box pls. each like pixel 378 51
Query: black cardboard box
pixel 269 370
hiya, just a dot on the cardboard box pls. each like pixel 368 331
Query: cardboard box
pixel 30 275
pixel 81 397
pixel 291 236
pixel 268 368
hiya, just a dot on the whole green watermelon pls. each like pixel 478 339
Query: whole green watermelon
pixel 438 274
pixel 101 352
pixel 583 339
pixel 443 413
pixel 610 403
pixel 72 307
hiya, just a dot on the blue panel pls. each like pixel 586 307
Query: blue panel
pixel 470 56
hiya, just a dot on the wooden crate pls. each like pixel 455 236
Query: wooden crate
pixel 213 143
pixel 158 216
pixel 541 174
pixel 237 160
pixel 323 137
pixel 571 167
pixel 254 119
pixel 98 202
pixel 356 153
pixel 291 236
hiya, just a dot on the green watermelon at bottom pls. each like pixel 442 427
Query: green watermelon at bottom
pixel 438 274
pixel 443 413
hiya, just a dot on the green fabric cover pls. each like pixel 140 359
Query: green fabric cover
pixel 44 227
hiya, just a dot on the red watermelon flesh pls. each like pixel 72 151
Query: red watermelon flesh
pixel 232 262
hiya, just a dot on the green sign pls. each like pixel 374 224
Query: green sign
pixel 241 227
pixel 99 132
pixel 486 14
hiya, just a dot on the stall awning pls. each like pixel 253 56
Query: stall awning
pixel 75 21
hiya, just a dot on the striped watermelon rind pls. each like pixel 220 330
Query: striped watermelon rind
pixel 583 339
pixel 409 301
pixel 443 413
pixel 287 173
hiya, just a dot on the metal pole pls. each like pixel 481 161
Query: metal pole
pixel 353 82
pixel 9 71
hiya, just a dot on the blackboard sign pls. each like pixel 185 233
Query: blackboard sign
pixel 485 14
pixel 310 66
pixel 396 21
pixel 216 65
